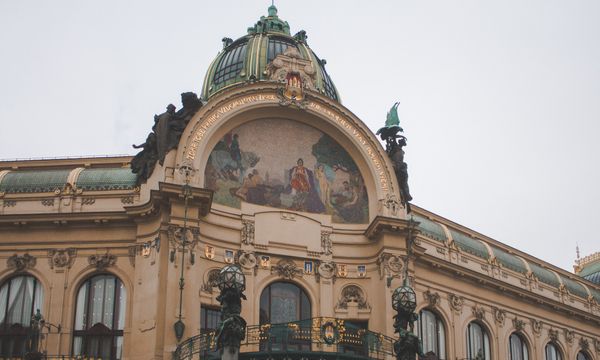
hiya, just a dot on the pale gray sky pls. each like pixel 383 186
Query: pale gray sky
pixel 500 99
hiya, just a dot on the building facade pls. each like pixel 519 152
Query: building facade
pixel 269 171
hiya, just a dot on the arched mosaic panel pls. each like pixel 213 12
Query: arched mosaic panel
pixel 287 165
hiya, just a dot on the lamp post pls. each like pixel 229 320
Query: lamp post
pixel 232 331
pixel 404 301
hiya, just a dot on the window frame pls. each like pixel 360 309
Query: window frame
pixel 440 325
pixel 487 347
pixel 99 330
pixel 524 345
pixel 557 349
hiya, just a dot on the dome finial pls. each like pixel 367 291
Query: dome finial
pixel 272 9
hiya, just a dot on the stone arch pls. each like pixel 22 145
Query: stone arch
pixel 449 336
pixel 8 274
pixel 561 349
pixel 298 281
pixel 210 279
pixel 504 341
pixel 486 327
pixel 234 108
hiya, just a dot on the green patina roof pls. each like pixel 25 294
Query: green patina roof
pixel 544 275
pixel 590 269
pixel 510 261
pixel 430 228
pixel 574 287
pixel 106 179
pixel 245 59
pixel 470 245
pixel 31 181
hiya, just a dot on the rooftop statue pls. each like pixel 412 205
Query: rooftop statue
pixel 164 137
pixel 394 142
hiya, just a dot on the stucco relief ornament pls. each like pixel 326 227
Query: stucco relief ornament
pixel 433 299
pixel 478 312
pixel 103 261
pixel 327 269
pixel 287 269
pixel 391 204
pixel 247 260
pixel 390 264
pixel 499 316
pixel 247 232
pixel 518 324
pixel 20 263
pixel 536 325
pixel 597 345
pixel 352 294
pixel 584 344
pixel 456 302
pixel 553 335
pixel 296 75
pixel 326 243
pixel 569 336
pixel 212 278
pixel 60 258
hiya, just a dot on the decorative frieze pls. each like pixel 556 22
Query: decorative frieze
pixel 9 203
pixel 21 262
pixel 61 258
pixel 103 261
pixel 48 202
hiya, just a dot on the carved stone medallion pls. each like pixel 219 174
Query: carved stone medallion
pixel 433 299
pixel 536 326
pixel 287 269
pixel 327 269
pixel 478 312
pixel 20 263
pixel 518 324
pixel 456 302
pixel 499 315
pixel 569 336
pixel 247 260
pixel 103 261
pixel 61 258
pixel 553 335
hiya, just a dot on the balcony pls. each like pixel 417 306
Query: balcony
pixel 317 338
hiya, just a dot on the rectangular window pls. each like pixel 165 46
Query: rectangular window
pixel 356 339
pixel 210 317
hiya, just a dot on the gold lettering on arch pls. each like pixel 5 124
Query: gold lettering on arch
pixel 218 114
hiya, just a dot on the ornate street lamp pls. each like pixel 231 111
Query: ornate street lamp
pixel 232 330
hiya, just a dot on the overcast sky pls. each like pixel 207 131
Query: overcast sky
pixel 500 100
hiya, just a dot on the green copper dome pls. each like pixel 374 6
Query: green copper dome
pixel 246 59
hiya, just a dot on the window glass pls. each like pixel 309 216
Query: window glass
pixel 431 332
pixel 100 318
pixel 517 348
pixel 20 298
pixel 209 318
pixel 478 343
pixel 582 356
pixel 552 352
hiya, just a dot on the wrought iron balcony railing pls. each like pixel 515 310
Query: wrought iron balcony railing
pixel 322 337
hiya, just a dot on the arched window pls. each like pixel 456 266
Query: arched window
pixel 582 356
pixel 283 302
pixel 432 334
pixel 20 297
pixel 517 347
pixel 478 342
pixel 552 352
pixel 100 318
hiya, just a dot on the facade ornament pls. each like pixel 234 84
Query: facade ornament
pixel 499 315
pixel 296 75
pixel 326 243
pixel 518 324
pixel 433 299
pixel 456 302
pixel 597 345
pixel 127 200
pixel 247 232
pixel 327 269
pixel 9 203
pixel 60 258
pixel 211 281
pixel 478 312
pixel 20 263
pixel 584 344
pixel 393 146
pixel 536 326
pixel 247 260
pixel 88 201
pixel 553 335
pixel 352 294
pixel 389 265
pixel 164 136
pixel 391 204
pixel 184 239
pixel 287 269
pixel 48 202
pixel 103 261
pixel 569 336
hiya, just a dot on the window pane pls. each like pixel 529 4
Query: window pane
pixel 122 301
pixel 3 301
pixel 80 316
